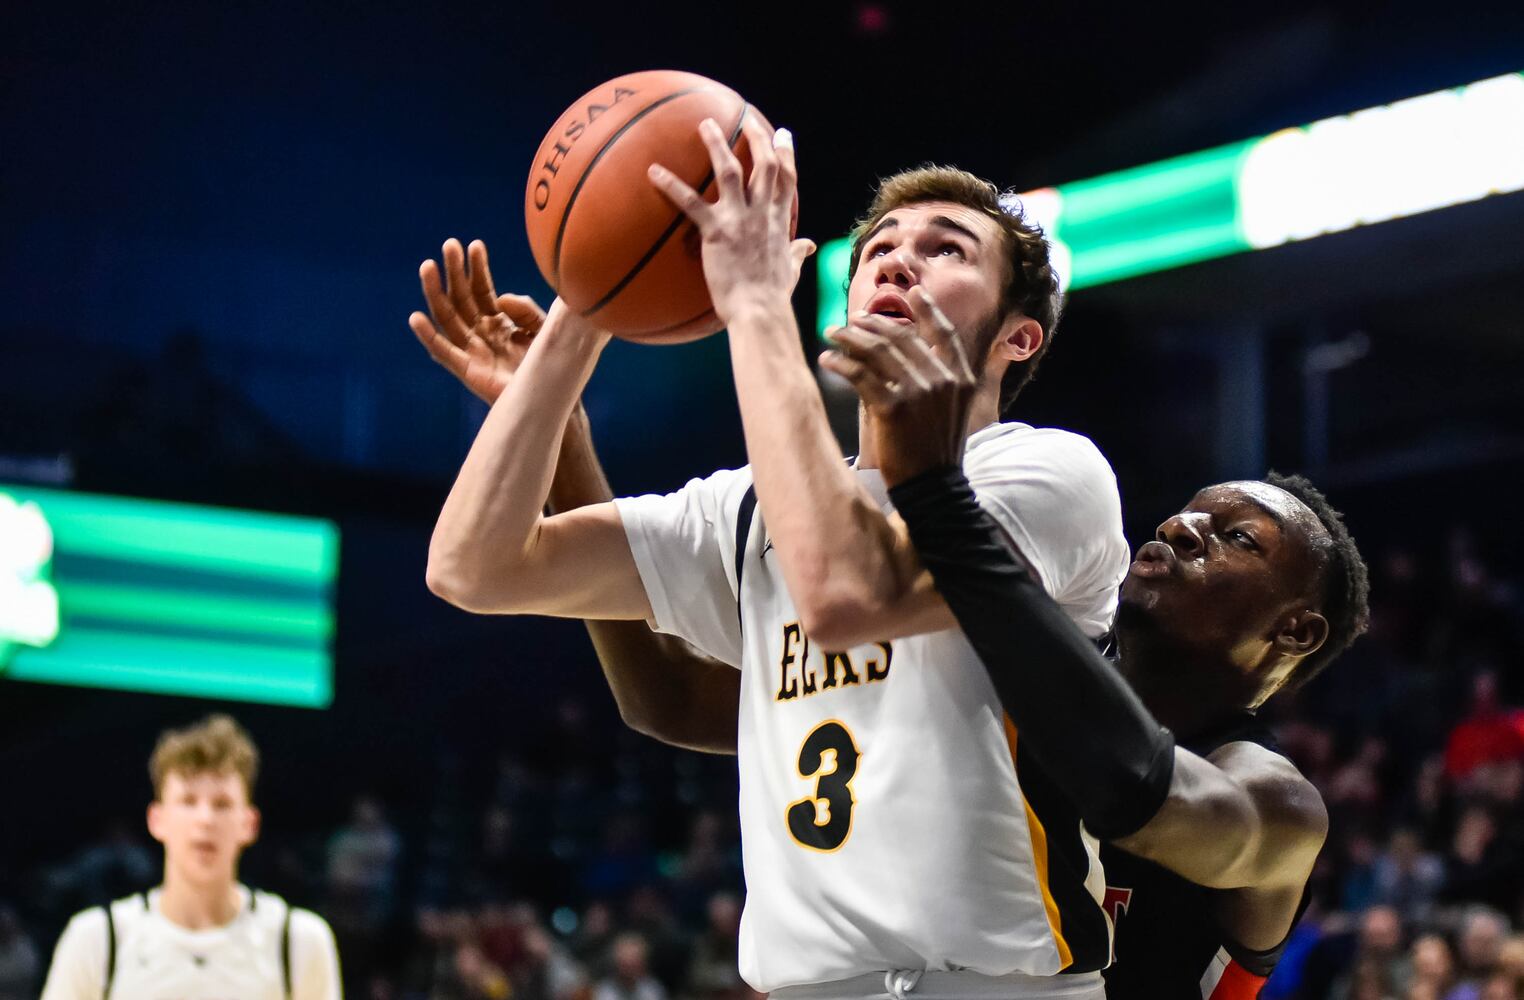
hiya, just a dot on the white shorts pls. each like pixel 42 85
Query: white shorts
pixel 911 985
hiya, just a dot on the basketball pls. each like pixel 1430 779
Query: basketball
pixel 611 245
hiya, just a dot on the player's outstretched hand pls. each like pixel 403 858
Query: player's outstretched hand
pixel 914 378
pixel 750 257
pixel 479 336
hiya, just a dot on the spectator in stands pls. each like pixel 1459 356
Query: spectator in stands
pixel 629 979
pixel 1379 964
pixel 1489 734
pixel 1407 878
pixel 1433 966
pixel 18 958
pixel 713 974
pixel 1481 937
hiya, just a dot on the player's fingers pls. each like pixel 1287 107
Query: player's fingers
pixel 727 169
pixel 930 318
pixel 484 296
pixel 439 347
pixel 871 388
pixel 764 161
pixel 876 351
pixel 524 312
pixel 440 308
pixel 457 286
pixel 788 174
pixel 679 194
pixel 799 251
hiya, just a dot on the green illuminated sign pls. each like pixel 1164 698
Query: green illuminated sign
pixel 167 598
pixel 1382 163
pixel 28 602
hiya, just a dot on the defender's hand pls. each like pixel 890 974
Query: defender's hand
pixel 479 336
pixel 916 381
pixel 749 255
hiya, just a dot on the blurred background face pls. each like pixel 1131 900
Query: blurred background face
pixel 204 822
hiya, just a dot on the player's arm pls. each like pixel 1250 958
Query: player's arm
pixel 852 578
pixel 1244 818
pixel 78 970
pixel 664 688
pixel 493 549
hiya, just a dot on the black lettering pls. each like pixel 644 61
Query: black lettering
pixel 541 194
pixel 848 674
pixel 574 130
pixel 554 163
pixel 620 93
pixel 788 685
pixel 875 673
pixel 594 110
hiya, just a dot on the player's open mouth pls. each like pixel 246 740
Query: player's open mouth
pixel 890 305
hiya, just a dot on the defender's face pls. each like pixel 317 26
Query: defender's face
pixel 1220 575
pixel 204 822
pixel 952 251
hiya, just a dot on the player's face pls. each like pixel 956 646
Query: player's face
pixel 204 822
pixel 1228 575
pixel 952 251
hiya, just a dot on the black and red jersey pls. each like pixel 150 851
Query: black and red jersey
pixel 1168 944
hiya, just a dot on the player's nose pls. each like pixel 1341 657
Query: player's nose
pixel 898 268
pixel 1179 534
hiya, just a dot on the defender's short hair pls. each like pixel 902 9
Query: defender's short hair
pixel 216 744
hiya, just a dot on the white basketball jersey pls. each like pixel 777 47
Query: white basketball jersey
pixel 883 823
pixel 155 959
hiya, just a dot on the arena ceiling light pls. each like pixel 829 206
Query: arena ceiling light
pixel 1428 152
pixel 143 595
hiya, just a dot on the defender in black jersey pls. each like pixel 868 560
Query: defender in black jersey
pixel 1253 586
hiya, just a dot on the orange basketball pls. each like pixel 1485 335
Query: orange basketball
pixel 611 245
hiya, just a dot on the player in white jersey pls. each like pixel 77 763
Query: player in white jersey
pixel 201 935
pixel 889 842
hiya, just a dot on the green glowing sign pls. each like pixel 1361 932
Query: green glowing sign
pixel 143 595
pixel 28 602
pixel 1429 152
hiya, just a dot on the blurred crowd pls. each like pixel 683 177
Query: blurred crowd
pixel 603 866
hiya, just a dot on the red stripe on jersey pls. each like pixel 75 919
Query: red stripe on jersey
pixel 1237 983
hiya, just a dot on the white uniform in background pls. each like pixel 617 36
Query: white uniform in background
pixel 154 959
pixel 883 824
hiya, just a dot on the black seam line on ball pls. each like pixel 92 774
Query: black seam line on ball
pixel 555 261
pixel 677 221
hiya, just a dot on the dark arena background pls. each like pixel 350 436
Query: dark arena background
pixel 211 219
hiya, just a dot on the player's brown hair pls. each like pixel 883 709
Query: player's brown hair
pixel 1031 286
pixel 216 744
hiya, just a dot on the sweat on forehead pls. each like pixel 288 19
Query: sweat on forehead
pixel 1284 507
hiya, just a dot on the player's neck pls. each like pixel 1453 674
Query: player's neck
pixel 1183 690
pixel 198 906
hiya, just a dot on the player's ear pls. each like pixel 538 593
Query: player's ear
pixel 252 821
pixel 1302 634
pixel 156 820
pixel 1020 337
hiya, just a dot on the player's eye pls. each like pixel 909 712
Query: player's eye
pixel 876 250
pixel 1241 537
pixel 950 249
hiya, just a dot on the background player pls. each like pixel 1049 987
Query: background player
pixel 202 933
pixel 818 840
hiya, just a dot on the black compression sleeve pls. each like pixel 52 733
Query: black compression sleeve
pixel 1076 714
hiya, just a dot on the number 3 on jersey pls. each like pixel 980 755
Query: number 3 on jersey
pixel 823 821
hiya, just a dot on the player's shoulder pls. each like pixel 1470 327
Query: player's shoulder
pixel 304 924
pixel 1013 441
pixel 1281 793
